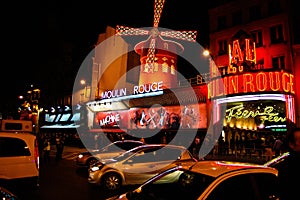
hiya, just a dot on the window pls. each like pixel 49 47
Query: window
pixel 237 18
pixel 221 22
pixel 222 47
pixel 255 12
pixel 274 7
pixel 278 62
pixel 276 34
pixel 10 147
pixel 257 37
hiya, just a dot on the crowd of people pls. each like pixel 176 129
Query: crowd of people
pixel 45 143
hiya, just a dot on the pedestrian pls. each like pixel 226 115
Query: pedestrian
pixel 195 148
pixel 46 150
pixel 288 170
pixel 277 146
pixel 59 147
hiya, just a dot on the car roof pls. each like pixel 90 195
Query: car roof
pixel 23 135
pixel 217 168
pixel 143 147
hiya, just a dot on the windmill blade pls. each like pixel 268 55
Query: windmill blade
pixel 158 7
pixel 181 35
pixel 151 55
pixel 125 30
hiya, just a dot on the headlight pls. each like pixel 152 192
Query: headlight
pixel 80 156
pixel 95 168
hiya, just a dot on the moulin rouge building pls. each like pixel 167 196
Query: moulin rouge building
pixel 254 48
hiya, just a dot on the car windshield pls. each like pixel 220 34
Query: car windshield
pixel 182 183
pixel 132 151
pixel 120 146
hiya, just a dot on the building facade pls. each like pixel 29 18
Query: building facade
pixel 254 46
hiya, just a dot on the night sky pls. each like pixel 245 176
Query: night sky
pixel 34 34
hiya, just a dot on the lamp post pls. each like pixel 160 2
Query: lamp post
pixel 85 93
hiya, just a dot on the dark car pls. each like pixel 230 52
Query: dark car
pixel 6 194
pixel 275 161
pixel 87 158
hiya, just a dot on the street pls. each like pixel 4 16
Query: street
pixel 61 180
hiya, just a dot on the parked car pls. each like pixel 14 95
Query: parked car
pixel 137 165
pixel 210 180
pixel 275 161
pixel 116 148
pixel 19 155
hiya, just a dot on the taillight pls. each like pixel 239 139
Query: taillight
pixel 36 154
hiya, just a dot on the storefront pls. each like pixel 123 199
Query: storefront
pixel 156 116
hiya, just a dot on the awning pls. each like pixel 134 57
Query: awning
pixel 173 97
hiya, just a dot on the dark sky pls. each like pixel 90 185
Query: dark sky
pixel 34 33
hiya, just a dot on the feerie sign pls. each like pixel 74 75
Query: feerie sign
pixel 266 114
pixel 138 89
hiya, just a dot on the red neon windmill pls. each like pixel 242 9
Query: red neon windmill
pixel 158 55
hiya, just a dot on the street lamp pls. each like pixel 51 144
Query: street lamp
pixel 86 91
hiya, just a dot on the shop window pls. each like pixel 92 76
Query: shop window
pixel 257 38
pixel 278 62
pixel 255 13
pixel 221 22
pixel 237 18
pixel 274 7
pixel 276 34
pixel 222 47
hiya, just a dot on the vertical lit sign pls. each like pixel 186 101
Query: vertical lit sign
pixel 242 54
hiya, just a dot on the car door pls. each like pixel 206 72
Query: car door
pixel 139 167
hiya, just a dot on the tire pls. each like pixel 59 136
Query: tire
pixel 111 181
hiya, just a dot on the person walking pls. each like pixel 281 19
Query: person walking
pixel 195 148
pixel 277 146
pixel 59 147
pixel 46 150
pixel 288 170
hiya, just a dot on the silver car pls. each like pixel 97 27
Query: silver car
pixel 137 165
pixel 113 149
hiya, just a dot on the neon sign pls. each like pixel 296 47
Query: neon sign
pixel 238 57
pixel 267 114
pixel 139 89
pixel 253 82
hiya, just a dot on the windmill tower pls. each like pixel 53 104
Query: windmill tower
pixel 158 55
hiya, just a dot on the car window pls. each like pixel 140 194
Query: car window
pixel 128 145
pixel 258 186
pixel 187 184
pixel 165 154
pixel 10 147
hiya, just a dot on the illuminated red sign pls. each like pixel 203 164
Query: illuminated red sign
pixel 253 82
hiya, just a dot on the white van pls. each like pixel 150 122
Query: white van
pixel 19 155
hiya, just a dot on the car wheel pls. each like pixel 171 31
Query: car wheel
pixel 92 161
pixel 112 181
